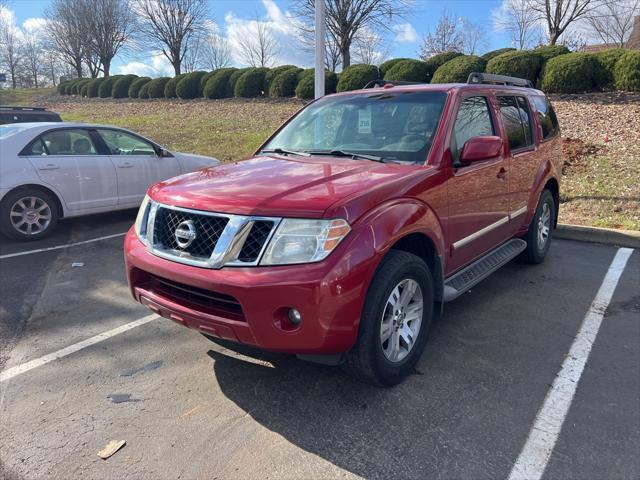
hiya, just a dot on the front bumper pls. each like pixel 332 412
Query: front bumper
pixel 249 305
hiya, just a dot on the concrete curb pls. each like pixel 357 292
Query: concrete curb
pixel 608 236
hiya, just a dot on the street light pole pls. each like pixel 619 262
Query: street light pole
pixel 319 74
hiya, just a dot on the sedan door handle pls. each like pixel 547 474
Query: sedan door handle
pixel 49 166
pixel 502 174
pixel 125 165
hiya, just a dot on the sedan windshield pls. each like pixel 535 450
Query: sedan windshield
pixel 389 126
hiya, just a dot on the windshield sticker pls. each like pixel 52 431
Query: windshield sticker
pixel 364 120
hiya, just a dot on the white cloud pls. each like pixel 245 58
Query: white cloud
pixel 158 67
pixel 405 33
pixel 282 27
pixel 34 25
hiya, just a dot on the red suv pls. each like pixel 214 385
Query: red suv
pixel 335 240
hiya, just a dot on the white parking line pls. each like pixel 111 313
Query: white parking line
pixel 38 362
pixel 58 247
pixel 542 438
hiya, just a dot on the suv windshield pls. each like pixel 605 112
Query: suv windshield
pixel 394 126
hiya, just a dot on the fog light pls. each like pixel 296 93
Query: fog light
pixel 294 316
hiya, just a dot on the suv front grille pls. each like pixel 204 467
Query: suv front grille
pixel 209 240
pixel 208 229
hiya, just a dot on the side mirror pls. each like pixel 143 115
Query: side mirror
pixel 162 152
pixel 477 149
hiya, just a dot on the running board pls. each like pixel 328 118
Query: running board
pixel 462 281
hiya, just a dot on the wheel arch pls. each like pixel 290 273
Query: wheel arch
pixel 554 187
pixel 35 186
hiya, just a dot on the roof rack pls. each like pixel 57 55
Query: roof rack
pixel 477 77
pixel 8 107
pixel 382 83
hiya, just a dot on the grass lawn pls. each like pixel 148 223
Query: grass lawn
pixel 601 184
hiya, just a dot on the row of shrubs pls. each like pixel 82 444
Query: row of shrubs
pixel 553 68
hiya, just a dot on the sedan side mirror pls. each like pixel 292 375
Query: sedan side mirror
pixel 163 152
pixel 477 149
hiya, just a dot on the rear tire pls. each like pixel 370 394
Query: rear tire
pixel 28 214
pixel 539 234
pixel 395 321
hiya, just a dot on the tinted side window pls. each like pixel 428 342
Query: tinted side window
pixel 473 120
pixel 516 122
pixel 69 142
pixel 546 117
pixel 36 148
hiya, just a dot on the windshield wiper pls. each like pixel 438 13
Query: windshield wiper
pixel 282 151
pixel 342 153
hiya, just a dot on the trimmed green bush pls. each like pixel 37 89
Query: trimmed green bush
pixel 170 87
pixel 62 87
pixel 494 53
pixel 409 71
pixel 205 78
pixel 521 64
pixel 106 87
pixel 84 88
pixel 284 85
pixel 77 86
pixel 219 85
pixel 235 76
pixel 156 87
pixel 144 90
pixel 307 80
pixel 251 83
pixel 435 62
pixel 68 88
pixel 607 60
pixel 136 85
pixel 93 89
pixel 384 67
pixel 458 69
pixel 121 86
pixel 274 72
pixel 356 76
pixel 551 51
pixel 626 72
pixel 571 73
pixel 189 86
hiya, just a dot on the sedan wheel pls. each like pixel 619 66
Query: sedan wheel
pixel 28 214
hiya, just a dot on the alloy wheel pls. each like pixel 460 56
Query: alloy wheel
pixel 401 320
pixel 30 215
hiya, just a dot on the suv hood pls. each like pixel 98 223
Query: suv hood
pixel 281 186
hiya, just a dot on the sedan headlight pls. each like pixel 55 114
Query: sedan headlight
pixel 142 218
pixel 304 241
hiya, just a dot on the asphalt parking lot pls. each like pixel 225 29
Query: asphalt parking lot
pixel 190 408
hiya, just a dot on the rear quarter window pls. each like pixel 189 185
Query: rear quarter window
pixel 546 117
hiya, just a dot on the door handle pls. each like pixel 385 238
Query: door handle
pixel 49 166
pixel 502 174
pixel 125 165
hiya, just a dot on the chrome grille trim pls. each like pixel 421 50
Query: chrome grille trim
pixel 227 248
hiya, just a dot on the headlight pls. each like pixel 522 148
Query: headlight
pixel 304 241
pixel 141 219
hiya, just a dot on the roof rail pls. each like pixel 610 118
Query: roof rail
pixel 478 77
pixel 382 83
pixel 8 107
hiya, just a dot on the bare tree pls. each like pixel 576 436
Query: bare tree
pixel 332 56
pixel 612 21
pixel 67 28
pixel 346 18
pixel 215 52
pixel 560 14
pixel 110 24
pixel 474 37
pixel 447 37
pixel 257 46
pixel 171 25
pixel 519 20
pixel 370 48
pixel 33 54
pixel 11 50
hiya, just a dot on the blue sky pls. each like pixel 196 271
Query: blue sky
pixel 404 41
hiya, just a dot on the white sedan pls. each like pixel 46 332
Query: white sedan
pixel 54 170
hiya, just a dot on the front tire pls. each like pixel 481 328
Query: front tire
pixel 539 234
pixel 395 321
pixel 28 214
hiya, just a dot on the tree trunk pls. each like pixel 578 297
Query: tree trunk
pixel 345 53
pixel 176 67
pixel 106 66
pixel 78 67
pixel 35 80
